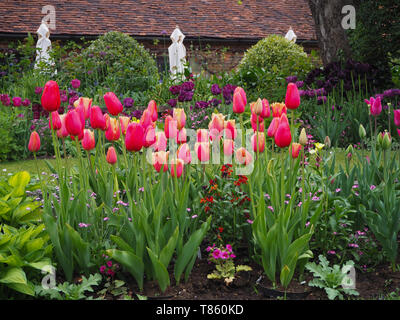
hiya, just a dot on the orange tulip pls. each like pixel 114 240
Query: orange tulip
pixel 34 142
pixel 111 156
pixel 86 104
pixel 217 122
pixel 88 141
pixel 296 147
pixel 180 117
pixel 113 133
pixel 261 142
pixel 124 122
pixel 278 109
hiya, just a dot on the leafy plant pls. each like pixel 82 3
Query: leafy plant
pixel 332 279
pixel 71 291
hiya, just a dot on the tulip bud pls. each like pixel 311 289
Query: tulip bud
pixel 327 142
pixel 283 136
pixel 34 142
pixel 111 156
pixel 350 149
pixel 258 107
pixel 386 141
pixel 362 132
pixel 303 137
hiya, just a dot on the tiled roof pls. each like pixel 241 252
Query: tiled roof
pixel 253 19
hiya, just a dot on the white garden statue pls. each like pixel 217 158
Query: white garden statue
pixel 290 35
pixel 43 46
pixel 177 53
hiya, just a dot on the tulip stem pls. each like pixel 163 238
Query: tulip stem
pixel 37 169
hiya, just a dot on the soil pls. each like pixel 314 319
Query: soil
pixel 254 285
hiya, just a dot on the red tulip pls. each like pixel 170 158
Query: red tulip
pixel 239 100
pixel 73 123
pixel 55 119
pixel 134 137
pixel 283 137
pixel 296 147
pixel 97 120
pixel 86 104
pixel 273 127
pixel 243 156
pixel 202 151
pixel 178 164
pixel 152 107
pixel 114 106
pixel 51 99
pixel 261 142
pixel 88 141
pixel 111 156
pixel 34 142
pixel 113 133
pixel 397 117
pixel 170 127
pixel 145 119
pixel 160 160
pixel 292 100
pixel 184 153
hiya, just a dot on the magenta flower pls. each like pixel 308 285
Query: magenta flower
pixel 225 255
pixel 75 83
pixel 229 248
pixel 216 254
pixel 102 269
pixel 38 90
pixel 17 101
pixel 109 264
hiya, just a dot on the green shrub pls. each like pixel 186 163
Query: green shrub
pixel 115 61
pixel 265 66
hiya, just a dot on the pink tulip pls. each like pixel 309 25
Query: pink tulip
pixel 266 111
pixel 178 164
pixel 34 142
pixel 253 121
pixel 170 127
pixel 182 137
pixel 160 160
pixel 88 141
pixel 111 156
pixel 134 137
pixel 202 135
pixel 149 137
pixel 273 127
pixel 184 153
pixel 243 156
pixel 114 106
pixel 239 100
pixel 217 122
pixel 203 151
pixel 62 132
pixel 145 119
pixel 161 142
pixel 261 142
pixel 376 107
pixel 229 146
pixel 152 107
pixel 292 100
pixel 397 117
pixel 230 129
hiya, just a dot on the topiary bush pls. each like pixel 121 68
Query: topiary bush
pixel 264 67
pixel 114 61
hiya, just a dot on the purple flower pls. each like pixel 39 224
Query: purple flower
pixel 300 84
pixel 64 98
pixel 172 102
pixel 372 187
pixel 164 32
pixel 331 252
pixel 215 89
pixel 38 90
pixel 128 102
pixel 75 83
pixel 321 100
pixel 187 86
pixel 17 101
pixel 26 102
pixel 175 90
pixel 291 79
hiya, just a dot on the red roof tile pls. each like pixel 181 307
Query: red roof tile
pixel 253 19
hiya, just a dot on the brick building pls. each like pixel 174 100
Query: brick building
pixel 217 32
